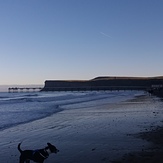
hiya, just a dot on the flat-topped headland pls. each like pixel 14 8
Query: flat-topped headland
pixel 105 83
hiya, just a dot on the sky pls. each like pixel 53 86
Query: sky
pixel 79 39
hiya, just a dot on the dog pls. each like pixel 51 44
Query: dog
pixel 38 155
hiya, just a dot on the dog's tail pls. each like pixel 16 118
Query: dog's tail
pixel 19 148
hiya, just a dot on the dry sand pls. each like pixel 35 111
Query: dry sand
pixel 101 134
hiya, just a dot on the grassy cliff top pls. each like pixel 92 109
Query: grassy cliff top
pixel 126 78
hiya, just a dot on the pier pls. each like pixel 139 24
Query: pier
pixel 24 89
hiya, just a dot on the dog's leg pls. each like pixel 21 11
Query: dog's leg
pixel 21 159
pixel 27 161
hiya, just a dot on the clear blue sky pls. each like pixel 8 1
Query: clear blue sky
pixel 79 39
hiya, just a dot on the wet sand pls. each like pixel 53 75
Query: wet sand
pixel 152 154
pixel 108 133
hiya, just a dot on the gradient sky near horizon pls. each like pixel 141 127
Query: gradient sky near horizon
pixel 79 39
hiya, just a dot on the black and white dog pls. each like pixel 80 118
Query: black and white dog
pixel 38 155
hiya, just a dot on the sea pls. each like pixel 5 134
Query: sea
pixel 24 107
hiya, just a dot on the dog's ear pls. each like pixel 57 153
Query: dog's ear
pixel 48 144
pixel 52 148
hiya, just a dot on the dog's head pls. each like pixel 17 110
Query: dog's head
pixel 52 148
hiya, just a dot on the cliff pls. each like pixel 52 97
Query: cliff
pixel 104 83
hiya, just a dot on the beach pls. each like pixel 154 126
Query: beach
pixel 109 132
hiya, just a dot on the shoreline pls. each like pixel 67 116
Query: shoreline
pixel 98 134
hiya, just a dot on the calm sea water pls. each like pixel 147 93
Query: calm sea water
pixel 18 108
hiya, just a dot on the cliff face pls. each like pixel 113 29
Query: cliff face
pixel 103 83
